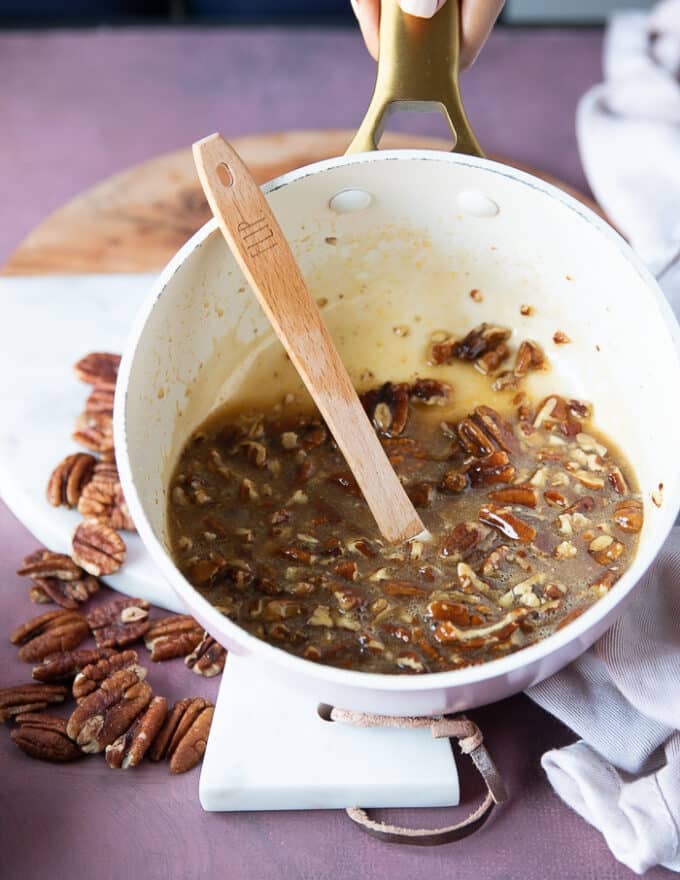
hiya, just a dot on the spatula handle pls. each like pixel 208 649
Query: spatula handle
pixel 262 252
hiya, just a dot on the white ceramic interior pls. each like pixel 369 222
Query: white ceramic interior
pixel 436 226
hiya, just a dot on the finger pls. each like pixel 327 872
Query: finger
pixel 477 19
pixel 368 16
pixel 421 8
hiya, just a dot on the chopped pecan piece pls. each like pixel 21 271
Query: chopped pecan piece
pixel 605 581
pixel 530 356
pixel 465 537
pixel 403 588
pixel 98 368
pixel 98 548
pixel 178 721
pixel 120 623
pixel 493 468
pixel 521 494
pixel 477 342
pixel 44 737
pixel 555 499
pixel 604 549
pixel 492 564
pixel 296 554
pixel 29 698
pixel 90 677
pixel 68 479
pixel 456 612
pixel 102 716
pixel 507 524
pixel 628 515
pixel 94 431
pixel 67 664
pixel 172 637
pixel 448 633
pixel 345 480
pixel 131 746
pixel 491 360
pixel 347 569
pixel 387 407
pixel 421 493
pixel 44 563
pixel 454 481
pixel 410 662
pixel 430 391
pixel 207 658
pixel 50 633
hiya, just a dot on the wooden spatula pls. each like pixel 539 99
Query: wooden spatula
pixel 262 252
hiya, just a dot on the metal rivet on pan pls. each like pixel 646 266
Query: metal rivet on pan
pixel 471 201
pixel 348 200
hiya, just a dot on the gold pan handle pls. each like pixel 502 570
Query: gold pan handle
pixel 417 70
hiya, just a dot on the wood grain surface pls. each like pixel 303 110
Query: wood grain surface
pixel 136 220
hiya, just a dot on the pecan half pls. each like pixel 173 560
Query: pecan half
pixel 90 677
pixel 207 658
pixel 190 749
pixel 68 594
pixel 100 400
pixel 94 431
pixel 507 523
pixel 179 720
pixel 172 637
pixel 109 711
pixel 44 737
pixel 496 428
pixel 49 633
pixel 44 563
pixel 68 479
pixel 98 368
pixel 103 500
pixel 628 515
pixel 129 749
pixel 120 623
pixel 29 698
pixel 98 548
pixel 67 664
pixel 521 494
pixel 490 469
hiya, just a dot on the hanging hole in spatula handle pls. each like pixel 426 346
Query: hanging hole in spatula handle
pixel 417 70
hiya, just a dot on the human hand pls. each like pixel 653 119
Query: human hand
pixel 476 20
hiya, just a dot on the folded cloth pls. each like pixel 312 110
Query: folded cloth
pixel 628 132
pixel 622 697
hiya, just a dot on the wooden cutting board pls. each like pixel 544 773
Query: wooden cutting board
pixel 136 220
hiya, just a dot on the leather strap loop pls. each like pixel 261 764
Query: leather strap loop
pixel 470 741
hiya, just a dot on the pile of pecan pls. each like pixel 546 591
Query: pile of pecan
pixel 88 481
pixel 116 712
pixel 487 347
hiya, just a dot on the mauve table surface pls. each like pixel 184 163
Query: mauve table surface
pixel 79 106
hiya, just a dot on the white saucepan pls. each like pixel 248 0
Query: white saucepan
pixel 397 240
